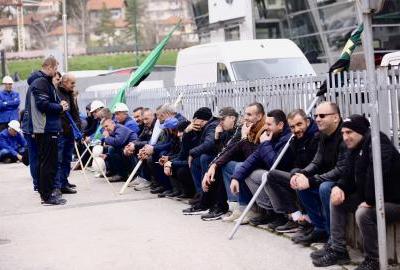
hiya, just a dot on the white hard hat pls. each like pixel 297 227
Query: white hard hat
pixel 121 107
pixel 7 79
pixel 97 150
pixel 96 104
pixel 99 165
pixel 14 124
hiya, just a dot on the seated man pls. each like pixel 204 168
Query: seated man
pixel 12 143
pixel 355 192
pixel 138 116
pixel 117 136
pixel 314 182
pixel 122 117
pixel 251 171
pixel 303 146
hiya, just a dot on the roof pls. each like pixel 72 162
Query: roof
pixel 173 20
pixel 59 31
pixel 4 22
pixel 110 4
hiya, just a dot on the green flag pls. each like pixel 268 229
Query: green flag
pixel 141 73
pixel 343 63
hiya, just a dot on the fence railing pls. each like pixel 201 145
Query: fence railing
pixel 349 91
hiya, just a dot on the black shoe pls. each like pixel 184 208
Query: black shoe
pixel 262 219
pixel 174 194
pixel 165 193
pixel 52 200
pixel 196 199
pixel 289 227
pixel 157 190
pixel 320 252
pixel 68 190
pixel 316 236
pixel 214 214
pixel 7 160
pixel 56 193
pixel 154 185
pixel 305 229
pixel 71 185
pixel 368 264
pixel 278 221
pixel 332 257
pixel 195 210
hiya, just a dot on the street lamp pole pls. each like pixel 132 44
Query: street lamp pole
pixel 64 17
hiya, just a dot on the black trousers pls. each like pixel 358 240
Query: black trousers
pixel 181 180
pixel 47 145
pixel 216 196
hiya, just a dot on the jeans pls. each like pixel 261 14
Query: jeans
pixel 227 172
pixel 244 195
pixel 316 201
pixel 199 168
pixel 254 182
pixel 157 172
pixel 4 153
pixel 65 149
pixel 366 222
pixel 283 197
pixel 119 164
pixel 33 159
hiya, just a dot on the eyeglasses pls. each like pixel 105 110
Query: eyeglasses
pixel 322 115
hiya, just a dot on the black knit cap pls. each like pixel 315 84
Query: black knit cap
pixel 203 113
pixel 357 123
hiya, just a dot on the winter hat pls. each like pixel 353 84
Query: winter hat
pixel 357 123
pixel 203 113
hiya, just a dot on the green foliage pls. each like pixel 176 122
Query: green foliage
pixel 106 28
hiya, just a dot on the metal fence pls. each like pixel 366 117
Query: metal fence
pixel 349 91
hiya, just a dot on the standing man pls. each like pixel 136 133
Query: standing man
pixel 65 92
pixel 9 103
pixel 42 120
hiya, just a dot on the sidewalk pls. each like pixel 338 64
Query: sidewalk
pixel 97 230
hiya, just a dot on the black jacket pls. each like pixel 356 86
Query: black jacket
pixel 359 178
pixel 207 140
pixel 330 161
pixel 304 149
pixel 145 136
pixel 73 110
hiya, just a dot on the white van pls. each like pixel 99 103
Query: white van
pixel 391 60
pixel 239 61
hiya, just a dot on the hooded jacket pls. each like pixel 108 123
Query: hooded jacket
pixel 9 103
pixel 73 110
pixel 329 162
pixel 359 177
pixel 42 109
pixel 11 143
pixel 265 156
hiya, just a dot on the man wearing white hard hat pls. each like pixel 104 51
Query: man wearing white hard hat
pixel 122 117
pixel 9 103
pixel 12 143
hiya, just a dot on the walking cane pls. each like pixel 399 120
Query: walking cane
pixel 265 175
pixel 80 162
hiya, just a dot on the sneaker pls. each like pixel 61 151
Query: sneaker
pixel 289 227
pixel 143 186
pixel 195 210
pixel 279 220
pixel 320 252
pixel 233 216
pixel 158 190
pixel 54 201
pixel 332 257
pixel 368 264
pixel 213 214
pixel 138 180
pixel 316 236
pixel 174 194
pixel 165 193
pixel 262 219
pixel 116 178
pixel 246 220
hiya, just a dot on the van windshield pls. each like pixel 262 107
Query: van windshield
pixel 267 68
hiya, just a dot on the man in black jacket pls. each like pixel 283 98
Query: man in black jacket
pixel 303 146
pixel 65 91
pixel 314 182
pixel 355 192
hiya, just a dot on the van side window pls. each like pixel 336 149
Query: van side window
pixel 222 73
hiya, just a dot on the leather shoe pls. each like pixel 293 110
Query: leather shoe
pixel 71 185
pixel 68 190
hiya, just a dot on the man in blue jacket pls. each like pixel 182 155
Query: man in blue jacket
pixel 9 103
pixel 42 121
pixel 12 143
pixel 122 117
pixel 117 136
pixel 251 171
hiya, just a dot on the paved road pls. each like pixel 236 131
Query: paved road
pixel 97 230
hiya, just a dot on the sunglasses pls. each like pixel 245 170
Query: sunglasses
pixel 322 115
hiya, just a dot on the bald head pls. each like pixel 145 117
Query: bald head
pixel 68 82
pixel 327 116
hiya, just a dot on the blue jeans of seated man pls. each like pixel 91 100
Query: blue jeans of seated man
pixel 227 171
pixel 33 160
pixel 316 202
pixel 199 168
pixel 245 194
pixel 4 153
pixel 65 149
